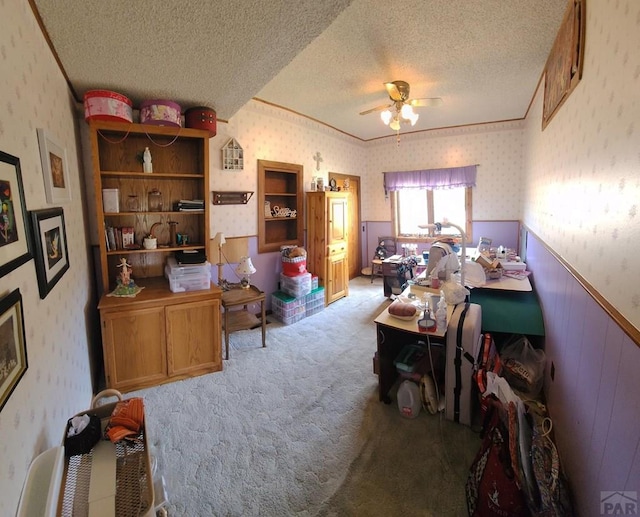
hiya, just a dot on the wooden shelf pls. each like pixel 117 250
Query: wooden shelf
pixel 231 198
pixel 280 184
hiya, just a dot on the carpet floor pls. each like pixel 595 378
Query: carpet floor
pixel 296 428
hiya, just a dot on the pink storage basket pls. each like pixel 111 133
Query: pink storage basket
pixel 107 105
pixel 160 113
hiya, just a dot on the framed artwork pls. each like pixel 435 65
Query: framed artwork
pixel 563 69
pixel 15 237
pixel 54 168
pixel 50 239
pixel 13 347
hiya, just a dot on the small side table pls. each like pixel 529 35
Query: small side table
pixel 242 319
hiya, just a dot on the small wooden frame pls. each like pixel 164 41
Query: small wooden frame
pixel 563 70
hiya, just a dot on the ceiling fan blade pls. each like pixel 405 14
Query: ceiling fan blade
pixel 427 101
pixel 378 108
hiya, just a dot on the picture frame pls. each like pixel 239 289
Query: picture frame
pixel 55 168
pixel 13 346
pixel 15 235
pixel 50 242
pixel 563 69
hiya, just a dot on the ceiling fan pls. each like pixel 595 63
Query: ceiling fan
pixel 399 93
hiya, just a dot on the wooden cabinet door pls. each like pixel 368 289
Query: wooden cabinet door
pixel 338 219
pixel 134 348
pixel 193 338
pixel 337 285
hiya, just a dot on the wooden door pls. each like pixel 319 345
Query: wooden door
pixel 353 221
pixel 134 348
pixel 338 219
pixel 193 338
pixel 337 285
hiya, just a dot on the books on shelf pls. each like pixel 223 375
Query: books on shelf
pixel 119 238
pixel 186 205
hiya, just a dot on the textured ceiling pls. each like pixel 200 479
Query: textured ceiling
pixel 325 59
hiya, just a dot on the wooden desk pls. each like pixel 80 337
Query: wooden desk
pixel 242 319
pixel 393 333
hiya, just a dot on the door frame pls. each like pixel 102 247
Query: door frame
pixel 340 177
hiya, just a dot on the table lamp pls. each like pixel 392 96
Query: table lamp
pixel 245 269
pixel 219 240
pixel 463 236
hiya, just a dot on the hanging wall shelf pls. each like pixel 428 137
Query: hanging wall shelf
pixel 232 155
pixel 231 198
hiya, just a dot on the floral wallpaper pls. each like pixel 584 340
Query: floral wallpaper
pixel 57 383
pixel 581 188
pixel 576 185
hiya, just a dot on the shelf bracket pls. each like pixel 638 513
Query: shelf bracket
pixel 231 198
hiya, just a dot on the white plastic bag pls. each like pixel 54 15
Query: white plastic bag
pixel 454 293
pixel 523 366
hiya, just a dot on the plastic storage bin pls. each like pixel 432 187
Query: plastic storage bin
pixel 182 283
pixel 176 269
pixel 314 301
pixel 286 308
pixel 299 285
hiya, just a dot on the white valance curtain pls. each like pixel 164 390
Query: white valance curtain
pixel 450 177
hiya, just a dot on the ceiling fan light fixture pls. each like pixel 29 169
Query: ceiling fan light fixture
pixel 386 116
pixel 413 119
pixel 407 111
pixel 395 124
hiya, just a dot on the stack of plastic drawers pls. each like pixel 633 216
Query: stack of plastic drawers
pixel 288 309
pixel 314 301
pixel 187 278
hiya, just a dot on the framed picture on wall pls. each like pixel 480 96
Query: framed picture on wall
pixel 54 168
pixel 50 238
pixel 15 237
pixel 13 347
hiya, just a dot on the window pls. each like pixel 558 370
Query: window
pixel 413 207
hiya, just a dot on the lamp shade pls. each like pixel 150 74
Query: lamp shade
pixel 245 267
pixel 219 239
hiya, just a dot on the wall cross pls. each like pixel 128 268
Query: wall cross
pixel 318 158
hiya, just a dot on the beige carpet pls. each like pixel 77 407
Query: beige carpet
pixel 297 429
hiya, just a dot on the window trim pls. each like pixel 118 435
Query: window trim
pixel 395 220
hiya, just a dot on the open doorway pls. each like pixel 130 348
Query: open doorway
pixel 353 235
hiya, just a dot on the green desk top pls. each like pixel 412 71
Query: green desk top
pixel 511 312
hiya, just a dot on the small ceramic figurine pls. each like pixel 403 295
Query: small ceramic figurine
pixel 125 284
pixel 125 275
pixel 147 166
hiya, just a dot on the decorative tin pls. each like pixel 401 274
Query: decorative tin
pixel 201 117
pixel 107 105
pixel 160 113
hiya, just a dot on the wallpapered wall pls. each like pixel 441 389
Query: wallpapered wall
pixel 583 169
pixel 34 94
pixel 496 148
pixel 582 186
pixel 268 133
